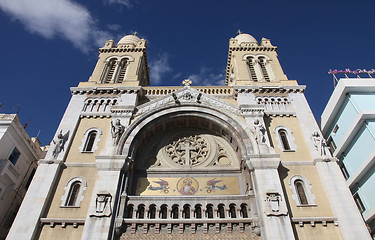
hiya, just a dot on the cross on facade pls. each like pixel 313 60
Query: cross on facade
pixel 187 147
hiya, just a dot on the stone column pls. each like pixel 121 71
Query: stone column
pixel 274 220
pixel 98 227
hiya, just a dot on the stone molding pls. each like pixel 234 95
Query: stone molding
pixel 313 220
pixel 269 89
pixel 50 161
pixel 110 163
pixel 184 96
pixel 271 161
pixel 326 159
pixel 95 115
pixel 105 90
pixel 116 50
pixel 252 110
pixel 63 221
pixel 79 164
pixel 119 110
pixel 297 163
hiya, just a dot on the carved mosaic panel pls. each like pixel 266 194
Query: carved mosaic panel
pixel 172 186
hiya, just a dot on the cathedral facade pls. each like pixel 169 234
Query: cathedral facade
pixel 241 161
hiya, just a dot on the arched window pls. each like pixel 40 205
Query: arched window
pixel 73 192
pixel 129 211
pixel 152 211
pixel 262 64
pixel 209 211
pixel 298 184
pixel 163 212
pixel 198 211
pixel 122 70
pixel 111 66
pixel 174 212
pixel 244 210
pixel 90 140
pixel 301 191
pixel 284 139
pixel 186 211
pixel 232 211
pixel 250 63
pixel 221 211
pixel 141 211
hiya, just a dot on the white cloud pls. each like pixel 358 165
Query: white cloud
pixel 57 18
pixel 206 77
pixel 158 67
pixel 126 3
pixel 114 27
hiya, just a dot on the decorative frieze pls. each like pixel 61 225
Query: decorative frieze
pixel 104 90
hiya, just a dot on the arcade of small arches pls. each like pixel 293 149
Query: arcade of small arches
pixel 198 211
pixel 99 104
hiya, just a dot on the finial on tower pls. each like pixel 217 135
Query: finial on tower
pixel 135 33
pixel 239 32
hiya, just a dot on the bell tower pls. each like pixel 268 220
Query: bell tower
pixel 124 64
pixel 250 63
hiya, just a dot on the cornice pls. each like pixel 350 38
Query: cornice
pixel 114 50
pixel 268 89
pixel 104 90
pixel 252 48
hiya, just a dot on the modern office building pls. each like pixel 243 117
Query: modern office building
pixel 348 124
pixel 241 161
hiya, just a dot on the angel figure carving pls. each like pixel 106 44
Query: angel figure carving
pixel 60 143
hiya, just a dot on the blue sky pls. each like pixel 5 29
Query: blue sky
pixel 51 45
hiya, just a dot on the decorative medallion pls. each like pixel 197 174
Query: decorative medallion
pixel 187 186
pixel 187 150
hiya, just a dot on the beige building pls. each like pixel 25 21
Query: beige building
pixel 241 161
pixel 19 155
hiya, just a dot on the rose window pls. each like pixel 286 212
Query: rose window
pixel 187 150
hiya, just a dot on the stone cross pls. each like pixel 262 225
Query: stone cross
pixel 239 32
pixel 187 82
pixel 187 147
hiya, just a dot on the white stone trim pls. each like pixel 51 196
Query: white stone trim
pixel 85 138
pixel 307 187
pixel 80 194
pixel 292 145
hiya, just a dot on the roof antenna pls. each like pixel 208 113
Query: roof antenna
pixel 38 134
pixel 26 124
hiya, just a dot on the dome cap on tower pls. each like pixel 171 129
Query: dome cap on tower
pixel 129 39
pixel 245 38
